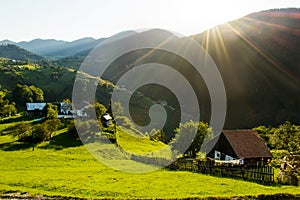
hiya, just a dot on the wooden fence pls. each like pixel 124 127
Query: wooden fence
pixel 256 173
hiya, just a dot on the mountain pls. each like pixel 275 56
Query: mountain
pixel 14 52
pixel 74 61
pixel 6 42
pixel 258 59
pixel 56 49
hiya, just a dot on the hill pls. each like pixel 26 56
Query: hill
pixel 56 82
pixel 56 49
pixel 14 52
pixel 257 57
pixel 74 61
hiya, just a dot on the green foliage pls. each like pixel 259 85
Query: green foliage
pixel 22 130
pixel 72 129
pixel 278 155
pixel 51 125
pixel 6 108
pixel 17 53
pixel 41 77
pixel 197 132
pixel 23 94
pixel 284 137
pixel 27 132
pixel 51 111
pixel 287 137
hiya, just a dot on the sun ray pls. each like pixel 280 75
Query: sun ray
pixel 293 31
pixel 207 40
pixel 262 53
pixel 120 72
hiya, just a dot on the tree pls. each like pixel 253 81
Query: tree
pixel 23 94
pixel 22 130
pixel 6 108
pixel 286 137
pixel 51 111
pixel 264 132
pixel 100 110
pixel 191 132
pixel 51 125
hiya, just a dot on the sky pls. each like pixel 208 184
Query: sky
pixel 24 20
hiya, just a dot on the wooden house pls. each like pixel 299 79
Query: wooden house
pixel 243 145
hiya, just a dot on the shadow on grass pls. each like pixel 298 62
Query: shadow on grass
pixel 61 141
pixel 15 146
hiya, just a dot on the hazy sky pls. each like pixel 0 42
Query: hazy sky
pixel 24 20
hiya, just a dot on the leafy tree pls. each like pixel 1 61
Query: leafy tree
pixel 51 111
pixel 23 94
pixel 186 133
pixel 67 100
pixel 286 137
pixel 6 108
pixel 264 132
pixel 51 125
pixel 72 129
pixel 22 130
pixel 100 109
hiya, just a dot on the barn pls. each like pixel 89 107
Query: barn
pixel 243 145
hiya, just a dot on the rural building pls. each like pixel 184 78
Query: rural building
pixel 65 110
pixel 245 146
pixel 35 109
pixel 106 119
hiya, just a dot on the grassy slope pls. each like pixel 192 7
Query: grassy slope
pixel 72 171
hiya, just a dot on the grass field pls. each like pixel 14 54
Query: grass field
pixel 64 167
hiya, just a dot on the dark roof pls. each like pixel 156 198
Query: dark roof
pixel 247 143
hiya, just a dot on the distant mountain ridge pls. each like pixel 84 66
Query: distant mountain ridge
pixel 14 52
pixel 56 49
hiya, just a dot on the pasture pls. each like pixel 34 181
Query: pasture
pixel 63 167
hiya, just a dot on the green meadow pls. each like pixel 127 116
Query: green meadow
pixel 64 167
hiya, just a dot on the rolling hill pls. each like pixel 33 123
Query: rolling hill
pixel 14 52
pixel 258 58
